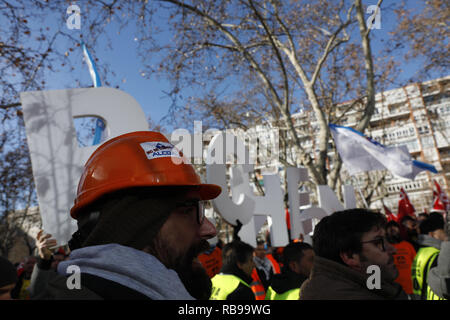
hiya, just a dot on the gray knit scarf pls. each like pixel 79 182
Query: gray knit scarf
pixel 132 268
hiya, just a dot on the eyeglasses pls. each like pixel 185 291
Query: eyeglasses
pixel 199 207
pixel 379 242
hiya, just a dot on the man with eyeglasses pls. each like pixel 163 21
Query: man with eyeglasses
pixel 346 244
pixel 141 225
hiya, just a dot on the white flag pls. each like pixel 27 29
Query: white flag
pixel 360 153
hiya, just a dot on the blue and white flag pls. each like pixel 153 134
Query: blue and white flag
pixel 91 64
pixel 100 125
pixel 360 153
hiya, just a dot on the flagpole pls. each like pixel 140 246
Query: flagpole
pixel 360 192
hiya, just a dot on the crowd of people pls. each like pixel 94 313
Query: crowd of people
pixel 142 234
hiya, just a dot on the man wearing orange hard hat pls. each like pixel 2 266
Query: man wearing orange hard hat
pixel 141 225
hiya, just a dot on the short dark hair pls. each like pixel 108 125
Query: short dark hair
pixel 436 215
pixel 432 223
pixel 236 251
pixel 295 251
pixel 392 224
pixel 342 232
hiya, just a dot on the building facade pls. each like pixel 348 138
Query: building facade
pixel 416 115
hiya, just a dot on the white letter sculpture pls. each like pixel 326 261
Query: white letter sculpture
pixel 244 204
pixel 56 158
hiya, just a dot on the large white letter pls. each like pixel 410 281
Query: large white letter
pixel 56 158
pixel 330 203
pixel 271 205
pixel 243 206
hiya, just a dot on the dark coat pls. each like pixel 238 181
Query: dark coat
pixel 242 292
pixel 330 280
pixel 92 288
pixel 287 280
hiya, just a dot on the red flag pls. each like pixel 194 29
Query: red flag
pixel 389 215
pixel 437 203
pixel 440 200
pixel 405 207
pixel 288 219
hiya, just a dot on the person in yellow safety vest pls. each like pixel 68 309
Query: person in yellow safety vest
pixel 257 286
pixel 265 267
pixel 298 261
pixel 431 238
pixel 233 282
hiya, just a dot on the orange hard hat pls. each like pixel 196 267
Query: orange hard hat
pixel 136 159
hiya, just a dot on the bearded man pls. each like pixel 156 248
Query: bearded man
pixel 141 225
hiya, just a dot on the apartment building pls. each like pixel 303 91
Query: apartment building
pixel 416 115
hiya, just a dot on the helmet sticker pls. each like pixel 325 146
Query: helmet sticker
pixel 156 149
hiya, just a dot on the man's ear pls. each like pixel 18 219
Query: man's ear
pixel 351 259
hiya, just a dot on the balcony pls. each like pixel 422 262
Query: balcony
pixel 429 89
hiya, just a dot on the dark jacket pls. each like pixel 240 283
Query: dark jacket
pixel 113 271
pixel 262 276
pixel 287 280
pixel 41 276
pixel 92 288
pixel 330 280
pixel 16 291
pixel 242 292
pixel 46 284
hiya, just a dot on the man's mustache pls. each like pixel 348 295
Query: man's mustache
pixel 195 250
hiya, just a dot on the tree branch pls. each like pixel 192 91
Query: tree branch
pixel 235 41
pixel 331 45
pixel 11 105
pixel 279 58
pixel 368 64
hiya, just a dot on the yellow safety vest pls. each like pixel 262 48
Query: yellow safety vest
pixel 223 285
pixel 421 266
pixel 292 294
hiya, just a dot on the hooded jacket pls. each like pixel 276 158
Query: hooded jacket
pixel 114 271
pixel 439 277
pixel 425 240
pixel 330 280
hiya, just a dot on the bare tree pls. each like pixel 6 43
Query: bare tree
pixel 31 50
pixel 423 34
pixel 263 60
pixel 232 64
